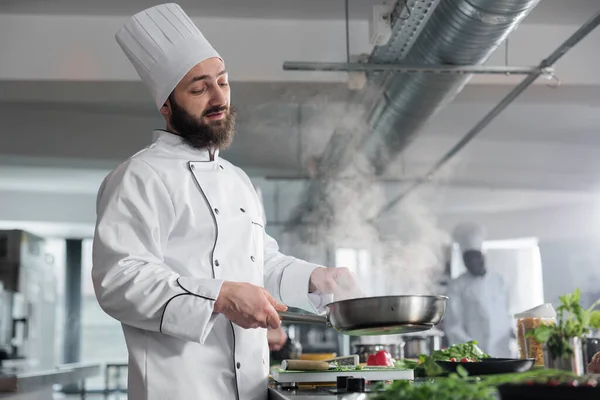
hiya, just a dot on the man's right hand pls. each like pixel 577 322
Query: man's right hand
pixel 248 306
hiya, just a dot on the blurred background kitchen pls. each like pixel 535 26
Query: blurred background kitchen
pixel 342 167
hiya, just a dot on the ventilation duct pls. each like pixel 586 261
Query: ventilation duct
pixel 450 32
pixel 459 32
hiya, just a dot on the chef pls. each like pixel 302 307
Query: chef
pixel 180 256
pixel 478 299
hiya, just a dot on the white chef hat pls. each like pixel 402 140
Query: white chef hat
pixel 163 44
pixel 469 236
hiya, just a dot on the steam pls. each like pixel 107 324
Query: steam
pixel 414 258
pixel 406 246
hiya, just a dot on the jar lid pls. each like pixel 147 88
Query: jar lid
pixel 542 311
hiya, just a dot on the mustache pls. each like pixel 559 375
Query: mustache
pixel 214 110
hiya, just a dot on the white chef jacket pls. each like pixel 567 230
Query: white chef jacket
pixel 172 225
pixel 478 310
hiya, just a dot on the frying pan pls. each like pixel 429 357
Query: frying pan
pixel 384 315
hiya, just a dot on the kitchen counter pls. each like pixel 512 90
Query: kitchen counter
pixel 282 394
pixel 32 383
pixel 311 394
pixel 283 391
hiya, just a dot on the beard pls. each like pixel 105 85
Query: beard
pixel 199 135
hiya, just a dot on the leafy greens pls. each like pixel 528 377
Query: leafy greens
pixel 460 387
pixel 573 321
pixel 427 366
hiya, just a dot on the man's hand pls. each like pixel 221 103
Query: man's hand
pixel 337 281
pixel 276 338
pixel 248 306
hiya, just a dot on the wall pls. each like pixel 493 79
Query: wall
pixel 255 49
pixel 569 242
pixel 576 221
pixel 571 264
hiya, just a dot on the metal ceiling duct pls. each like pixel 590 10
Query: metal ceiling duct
pixel 451 32
pixel 459 32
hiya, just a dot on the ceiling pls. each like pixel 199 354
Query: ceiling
pixel 548 12
pixel 63 137
pixel 463 200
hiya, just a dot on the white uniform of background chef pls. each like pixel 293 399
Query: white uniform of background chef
pixel 478 299
pixel 180 252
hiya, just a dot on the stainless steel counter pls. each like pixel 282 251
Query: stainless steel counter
pixel 283 394
pixel 306 394
pixel 31 379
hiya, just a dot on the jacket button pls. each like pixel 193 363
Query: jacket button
pixel 238 365
pixel 217 263
pixel 220 166
pixel 252 258
pixel 242 210
pixel 216 210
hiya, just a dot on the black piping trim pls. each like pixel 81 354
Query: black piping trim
pixel 212 255
pixel 256 223
pixel 281 279
pixel 237 389
pixel 187 293
pixel 193 294
pixel 212 212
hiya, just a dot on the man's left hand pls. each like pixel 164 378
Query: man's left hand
pixel 276 338
pixel 337 281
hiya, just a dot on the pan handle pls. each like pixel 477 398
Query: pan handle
pixel 303 318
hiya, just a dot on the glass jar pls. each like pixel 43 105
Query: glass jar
pixel 529 347
pixel 543 314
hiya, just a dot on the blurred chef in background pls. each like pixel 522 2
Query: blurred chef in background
pixel 478 299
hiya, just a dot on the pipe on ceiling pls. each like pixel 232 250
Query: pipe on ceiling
pixel 455 32
pixel 556 55
pixel 459 32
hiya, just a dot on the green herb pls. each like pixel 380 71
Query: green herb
pixel 572 322
pixel 349 368
pixel 444 389
pixel 461 387
pixel 460 351
pixel 338 367
pixel 406 364
pixel 427 366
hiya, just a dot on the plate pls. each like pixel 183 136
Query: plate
pixel 547 392
pixel 489 366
